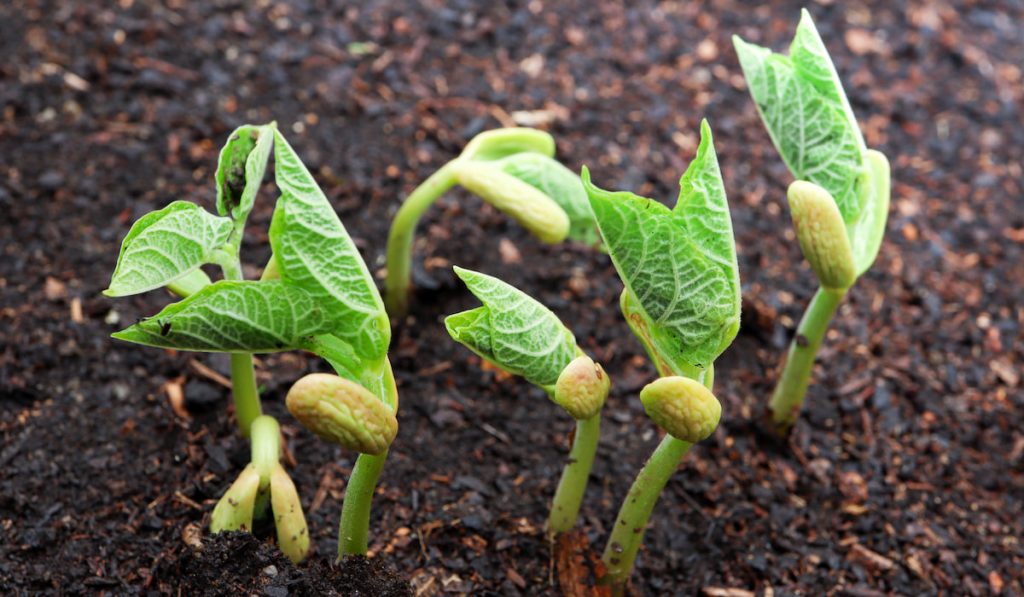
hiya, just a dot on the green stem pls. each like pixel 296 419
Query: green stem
pixel 190 283
pixel 354 529
pixel 243 375
pixel 265 451
pixel 243 389
pixel 569 495
pixel 789 394
pixel 399 251
pixel 627 535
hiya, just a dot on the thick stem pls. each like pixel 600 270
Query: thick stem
pixel 569 495
pixel 399 251
pixel 789 394
pixel 627 535
pixel 354 529
pixel 243 389
pixel 265 451
pixel 243 375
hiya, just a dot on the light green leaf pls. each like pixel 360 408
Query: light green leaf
pixel 678 266
pixel 561 184
pixel 230 316
pixel 314 251
pixel 866 234
pixel 512 330
pixel 240 169
pixel 166 245
pixel 807 115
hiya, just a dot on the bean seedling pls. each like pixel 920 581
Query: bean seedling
pixel 840 200
pixel 513 170
pixel 316 294
pixel 682 301
pixel 518 334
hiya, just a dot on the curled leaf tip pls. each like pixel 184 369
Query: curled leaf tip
pixel 582 388
pixel 822 234
pixel 683 407
pixel 343 412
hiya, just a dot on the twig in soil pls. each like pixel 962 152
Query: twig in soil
pixel 513 170
pixel 840 201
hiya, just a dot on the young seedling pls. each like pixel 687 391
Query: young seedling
pixel 682 301
pixel 518 334
pixel 512 169
pixel 840 201
pixel 316 294
pixel 265 482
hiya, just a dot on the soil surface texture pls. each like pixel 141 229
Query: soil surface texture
pixel 905 474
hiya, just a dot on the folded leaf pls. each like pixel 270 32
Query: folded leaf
pixel 512 330
pixel 678 266
pixel 866 234
pixel 232 316
pixel 166 245
pixel 559 183
pixel 313 250
pixel 240 169
pixel 807 115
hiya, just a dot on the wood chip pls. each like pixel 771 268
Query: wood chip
pixel 870 559
pixel 726 592
pixel 76 310
pixel 54 289
pixel 204 371
pixel 176 396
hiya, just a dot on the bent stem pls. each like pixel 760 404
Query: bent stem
pixel 789 394
pixel 569 495
pixel 354 529
pixel 399 251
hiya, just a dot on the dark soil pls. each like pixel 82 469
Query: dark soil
pixel 904 476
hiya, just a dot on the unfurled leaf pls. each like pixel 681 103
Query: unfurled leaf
pixel 807 115
pixel 559 183
pixel 512 330
pixel 866 234
pixel 240 169
pixel 314 251
pixel 500 143
pixel 166 245
pixel 678 266
pixel 525 203
pixel 230 316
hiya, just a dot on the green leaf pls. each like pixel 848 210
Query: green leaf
pixel 678 266
pixel 561 184
pixel 512 330
pixel 866 234
pixel 240 169
pixel 230 316
pixel 166 245
pixel 314 251
pixel 807 115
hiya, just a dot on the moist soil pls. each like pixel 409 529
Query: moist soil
pixel 905 474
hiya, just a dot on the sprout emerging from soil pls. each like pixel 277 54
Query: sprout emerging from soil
pixel 512 169
pixel 840 201
pixel 518 334
pixel 315 294
pixel 682 301
pixel 265 483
